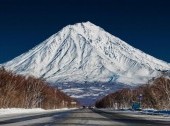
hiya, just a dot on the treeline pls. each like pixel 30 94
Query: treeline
pixel 28 92
pixel 156 95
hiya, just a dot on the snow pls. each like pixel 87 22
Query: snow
pixel 151 117
pixel 7 111
pixel 84 55
pixel 147 114
pixel 19 110
pixel 156 112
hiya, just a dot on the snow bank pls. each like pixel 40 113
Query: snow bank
pixel 22 110
pixel 147 114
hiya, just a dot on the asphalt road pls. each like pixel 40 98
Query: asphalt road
pixel 80 117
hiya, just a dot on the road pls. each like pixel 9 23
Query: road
pixel 79 117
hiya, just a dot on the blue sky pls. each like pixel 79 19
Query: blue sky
pixel 144 24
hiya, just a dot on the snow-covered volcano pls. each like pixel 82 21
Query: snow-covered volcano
pixel 84 54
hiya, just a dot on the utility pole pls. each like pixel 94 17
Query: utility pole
pixel 140 99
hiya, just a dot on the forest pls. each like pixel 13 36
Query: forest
pixel 155 94
pixel 18 91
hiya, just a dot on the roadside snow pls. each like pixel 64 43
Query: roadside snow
pixel 22 110
pixel 147 114
pixel 152 117
pixel 27 117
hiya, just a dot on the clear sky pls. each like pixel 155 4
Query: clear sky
pixel 144 24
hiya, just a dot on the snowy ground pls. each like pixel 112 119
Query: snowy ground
pixel 147 114
pixel 12 111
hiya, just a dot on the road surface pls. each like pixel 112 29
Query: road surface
pixel 79 117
